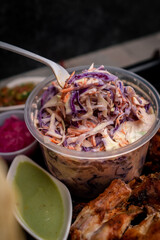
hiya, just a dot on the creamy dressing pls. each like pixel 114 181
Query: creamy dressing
pixel 130 131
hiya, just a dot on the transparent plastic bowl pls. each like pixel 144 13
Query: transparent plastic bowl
pixel 86 173
pixel 28 150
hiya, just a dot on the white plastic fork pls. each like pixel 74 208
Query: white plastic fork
pixel 60 73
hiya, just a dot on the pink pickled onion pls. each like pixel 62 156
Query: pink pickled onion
pixel 14 135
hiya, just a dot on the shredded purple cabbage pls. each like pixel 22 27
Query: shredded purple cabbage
pixel 99 75
pixel 147 107
pixel 50 92
pixel 46 96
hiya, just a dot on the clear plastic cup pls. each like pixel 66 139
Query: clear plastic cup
pixel 87 174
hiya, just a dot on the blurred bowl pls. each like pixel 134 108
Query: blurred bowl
pixel 87 173
pixel 16 82
pixel 28 150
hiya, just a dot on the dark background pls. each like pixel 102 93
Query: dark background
pixel 61 29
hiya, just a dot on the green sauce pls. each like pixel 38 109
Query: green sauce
pixel 41 205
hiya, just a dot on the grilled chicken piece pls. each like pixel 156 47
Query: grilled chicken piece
pixel 146 191
pixel 153 232
pixel 148 229
pixel 98 211
pixel 116 225
pixel 123 211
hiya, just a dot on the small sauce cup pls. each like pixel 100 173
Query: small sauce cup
pixel 46 197
pixel 28 150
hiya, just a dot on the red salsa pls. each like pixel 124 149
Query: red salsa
pixel 16 95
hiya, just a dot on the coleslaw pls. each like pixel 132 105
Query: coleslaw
pixel 95 111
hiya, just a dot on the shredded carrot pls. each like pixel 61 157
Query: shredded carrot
pixel 122 130
pixel 92 93
pixel 123 143
pixel 117 121
pixel 55 140
pixel 65 98
pixel 82 130
pixel 93 140
pixel 65 90
pixel 76 131
pixel 69 89
pixel 66 83
pixel 101 148
pixel 83 82
pixel 71 147
pixel 96 84
pixel 90 124
pixel 119 90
